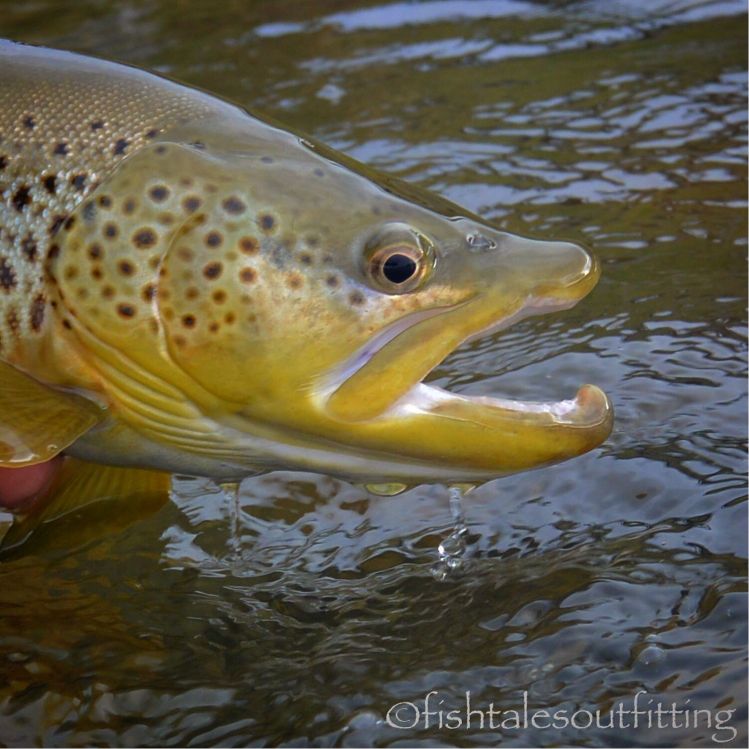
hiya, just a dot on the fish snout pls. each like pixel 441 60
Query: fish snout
pixel 561 271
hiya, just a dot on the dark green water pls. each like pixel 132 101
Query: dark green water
pixel 619 124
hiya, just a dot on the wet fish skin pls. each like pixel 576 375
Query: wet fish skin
pixel 203 276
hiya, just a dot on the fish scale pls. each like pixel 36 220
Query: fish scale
pixel 55 148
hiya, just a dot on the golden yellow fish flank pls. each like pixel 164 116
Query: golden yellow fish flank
pixel 187 288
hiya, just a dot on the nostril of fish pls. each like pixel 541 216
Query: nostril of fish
pixel 477 242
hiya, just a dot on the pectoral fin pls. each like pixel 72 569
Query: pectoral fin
pixel 37 422
pixel 86 501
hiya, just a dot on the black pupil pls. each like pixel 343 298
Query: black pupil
pixel 399 268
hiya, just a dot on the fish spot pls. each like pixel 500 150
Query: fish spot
pixel 126 310
pixel 318 172
pixel 185 253
pixel 78 182
pixel 213 327
pixel 185 181
pixel 21 198
pixel 247 275
pixel 7 276
pixel 191 203
pixel 332 281
pixel 161 150
pixel 82 293
pixel 50 183
pixel 70 272
pixel 97 125
pixel 152 133
pixel 305 258
pixel 179 341
pixel 69 223
pixel 212 270
pixel 188 321
pixel 295 281
pixel 61 149
pixel 110 230
pixel 128 207
pixel 229 318
pixel 165 219
pixel 105 201
pixel 219 296
pixel 94 251
pixel 66 324
pixel 213 239
pixel 57 222
pixel 192 293
pixel 267 222
pixel 29 248
pixel 53 251
pixel 3 162
pixel 149 292
pixel 36 312
pixel 29 122
pixel 126 267
pixel 267 159
pixel 234 206
pixel 159 193
pixel 144 238
pixel 356 298
pixel 96 272
pixel 312 240
pixel 249 245
pixel 120 146
pixel 107 292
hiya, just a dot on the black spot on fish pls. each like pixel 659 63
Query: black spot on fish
pixel 144 238
pixel 3 162
pixel 57 222
pixel 36 312
pixel 78 182
pixel 7 276
pixel 267 222
pixel 212 270
pixel 61 149
pixel 28 122
pixel 318 172
pixel 49 183
pixel 152 133
pixel 69 223
pixel 97 125
pixel 267 159
pixel 21 198
pixel 126 310
pixel 234 206
pixel 120 146
pixel 29 248
pixel 159 193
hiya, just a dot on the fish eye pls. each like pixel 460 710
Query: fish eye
pixel 397 265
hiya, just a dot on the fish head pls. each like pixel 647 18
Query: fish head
pixel 326 293
pixel 287 291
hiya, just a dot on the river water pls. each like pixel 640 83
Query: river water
pixel 620 124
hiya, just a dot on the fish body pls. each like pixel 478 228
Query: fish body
pixel 189 288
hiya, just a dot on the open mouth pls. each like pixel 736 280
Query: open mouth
pixel 374 370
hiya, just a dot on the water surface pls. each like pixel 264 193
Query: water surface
pixel 621 125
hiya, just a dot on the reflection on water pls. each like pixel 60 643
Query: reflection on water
pixel 621 125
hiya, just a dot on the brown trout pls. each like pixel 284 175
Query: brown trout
pixel 187 288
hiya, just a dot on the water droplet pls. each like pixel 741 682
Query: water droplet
pixel 652 655
pixel 452 550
